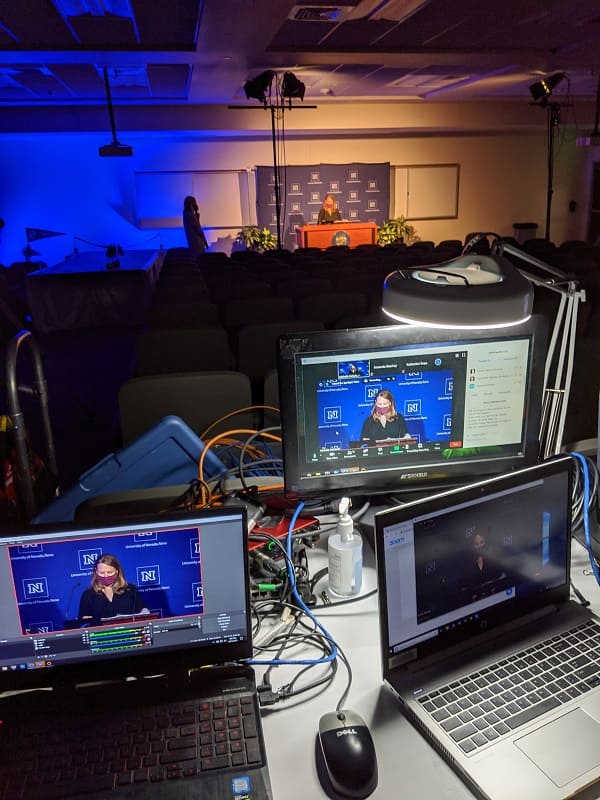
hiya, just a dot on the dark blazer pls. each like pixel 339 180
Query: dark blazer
pixel 97 606
pixel 373 430
pixel 327 216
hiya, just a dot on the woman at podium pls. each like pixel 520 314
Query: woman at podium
pixel 384 423
pixel 329 211
pixel 109 594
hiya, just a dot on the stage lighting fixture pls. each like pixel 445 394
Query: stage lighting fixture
pixel 291 86
pixel 256 88
pixel 543 89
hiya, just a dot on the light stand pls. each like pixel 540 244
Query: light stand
pixel 276 181
pixel 257 89
pixel 540 92
pixel 553 122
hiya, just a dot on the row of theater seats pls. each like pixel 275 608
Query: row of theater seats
pixel 210 339
pixel 209 345
pixel 200 398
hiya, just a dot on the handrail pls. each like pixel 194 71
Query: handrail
pixel 23 473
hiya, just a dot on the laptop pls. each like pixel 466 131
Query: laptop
pixel 153 701
pixel 480 642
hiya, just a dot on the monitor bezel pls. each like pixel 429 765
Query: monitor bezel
pixel 436 476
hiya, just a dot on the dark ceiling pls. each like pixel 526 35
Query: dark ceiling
pixel 193 52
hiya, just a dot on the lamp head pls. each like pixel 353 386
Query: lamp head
pixel 291 86
pixel 473 291
pixel 543 89
pixel 256 88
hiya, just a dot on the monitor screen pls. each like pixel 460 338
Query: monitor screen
pixel 407 408
pixel 175 599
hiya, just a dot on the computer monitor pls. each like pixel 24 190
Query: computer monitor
pixel 468 405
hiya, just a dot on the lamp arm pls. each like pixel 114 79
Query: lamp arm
pixel 558 371
pixel 554 271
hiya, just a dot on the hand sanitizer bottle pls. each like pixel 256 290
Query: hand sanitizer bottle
pixel 345 554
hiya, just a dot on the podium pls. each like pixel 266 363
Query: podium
pixel 338 233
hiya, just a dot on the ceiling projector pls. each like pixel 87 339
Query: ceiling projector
pixel 115 149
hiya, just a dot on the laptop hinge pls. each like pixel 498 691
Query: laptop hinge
pixel 478 644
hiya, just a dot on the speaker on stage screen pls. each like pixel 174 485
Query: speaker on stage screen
pixel 49 579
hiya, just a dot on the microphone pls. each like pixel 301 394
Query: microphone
pixel 70 600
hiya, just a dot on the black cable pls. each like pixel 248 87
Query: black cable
pixel 245 446
pixel 346 663
pixel 347 601
pixel 290 640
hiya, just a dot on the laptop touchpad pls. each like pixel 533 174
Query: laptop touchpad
pixel 565 748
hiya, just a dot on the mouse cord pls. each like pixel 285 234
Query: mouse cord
pixel 337 652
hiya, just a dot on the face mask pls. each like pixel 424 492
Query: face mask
pixel 106 580
pixel 381 409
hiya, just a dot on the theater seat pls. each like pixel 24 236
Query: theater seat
pixel 199 398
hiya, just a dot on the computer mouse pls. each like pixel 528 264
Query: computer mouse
pixel 345 755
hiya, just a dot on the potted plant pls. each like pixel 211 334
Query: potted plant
pixel 396 231
pixel 255 238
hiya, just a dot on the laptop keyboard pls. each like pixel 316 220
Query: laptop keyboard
pixel 494 701
pixel 58 759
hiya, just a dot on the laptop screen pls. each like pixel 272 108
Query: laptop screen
pixel 114 600
pixel 457 564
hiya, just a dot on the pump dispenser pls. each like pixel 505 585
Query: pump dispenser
pixel 345 554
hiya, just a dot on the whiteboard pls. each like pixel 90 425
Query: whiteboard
pixel 426 191
pixel 224 197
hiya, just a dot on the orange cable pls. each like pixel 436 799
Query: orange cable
pixel 219 436
pixel 233 414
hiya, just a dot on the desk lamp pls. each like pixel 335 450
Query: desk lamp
pixel 488 291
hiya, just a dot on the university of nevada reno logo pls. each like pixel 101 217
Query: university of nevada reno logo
pixel 88 558
pixel 35 588
pixel 148 576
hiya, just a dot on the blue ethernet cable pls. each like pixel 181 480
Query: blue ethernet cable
pixel 586 520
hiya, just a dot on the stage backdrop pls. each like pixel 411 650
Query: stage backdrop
pixel 362 192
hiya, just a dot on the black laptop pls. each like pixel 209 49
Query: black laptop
pixel 153 701
pixel 490 658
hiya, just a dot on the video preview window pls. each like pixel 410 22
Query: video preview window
pixel 363 403
pixel 466 556
pixel 162 574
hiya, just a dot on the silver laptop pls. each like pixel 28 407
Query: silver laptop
pixel 140 692
pixel 490 658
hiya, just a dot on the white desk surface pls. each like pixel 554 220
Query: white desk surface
pixel 409 768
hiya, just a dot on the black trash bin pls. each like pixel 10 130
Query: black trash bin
pixel 524 230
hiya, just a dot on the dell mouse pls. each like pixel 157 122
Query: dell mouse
pixel 345 755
